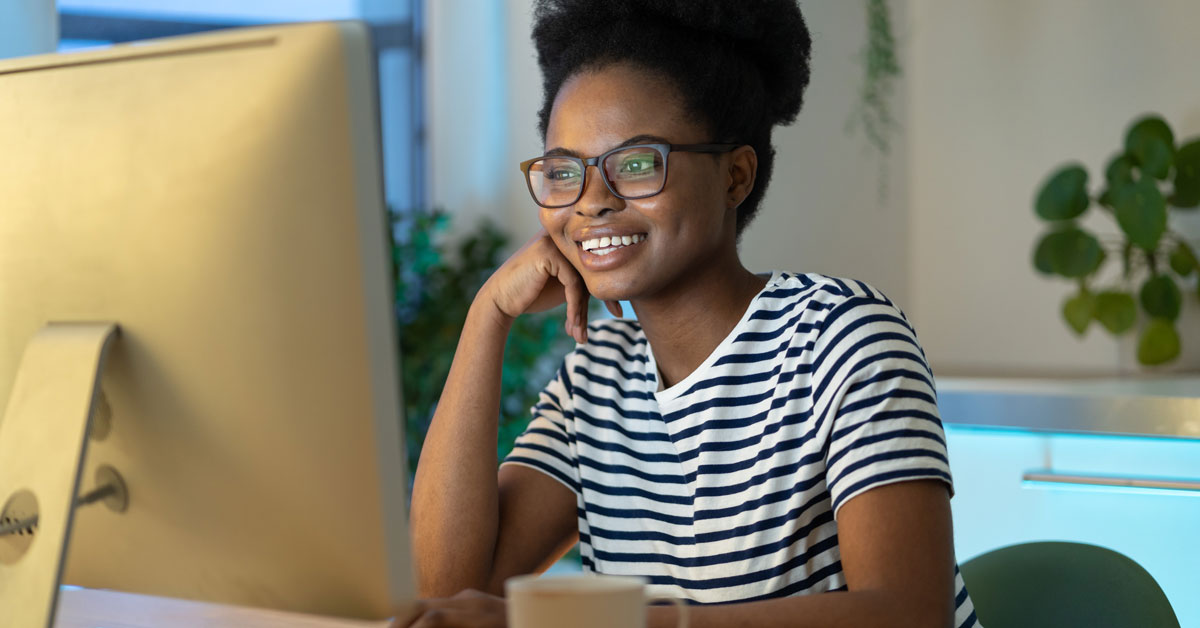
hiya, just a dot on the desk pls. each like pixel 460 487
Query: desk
pixel 91 608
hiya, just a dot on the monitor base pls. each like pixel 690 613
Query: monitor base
pixel 43 441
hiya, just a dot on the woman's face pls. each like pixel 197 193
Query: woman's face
pixel 690 224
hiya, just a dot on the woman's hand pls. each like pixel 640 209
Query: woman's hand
pixel 538 277
pixel 468 609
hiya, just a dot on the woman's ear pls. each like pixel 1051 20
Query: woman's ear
pixel 743 166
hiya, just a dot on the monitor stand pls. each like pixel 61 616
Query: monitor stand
pixel 43 441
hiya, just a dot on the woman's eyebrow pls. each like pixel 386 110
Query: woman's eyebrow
pixel 637 139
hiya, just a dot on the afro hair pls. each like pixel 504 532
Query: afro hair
pixel 741 67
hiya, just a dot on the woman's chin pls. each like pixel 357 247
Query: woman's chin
pixel 604 291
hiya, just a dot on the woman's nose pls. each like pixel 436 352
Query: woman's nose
pixel 596 198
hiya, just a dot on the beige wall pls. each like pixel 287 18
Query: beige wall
pixel 1000 93
pixel 995 94
pixel 824 211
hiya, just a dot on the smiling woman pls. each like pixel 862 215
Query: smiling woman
pixel 763 445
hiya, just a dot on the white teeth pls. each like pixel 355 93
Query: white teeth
pixel 606 245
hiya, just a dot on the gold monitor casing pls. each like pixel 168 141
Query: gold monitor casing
pixel 219 198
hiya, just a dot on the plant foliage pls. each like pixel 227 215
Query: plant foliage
pixel 1145 180
pixel 881 69
pixel 435 283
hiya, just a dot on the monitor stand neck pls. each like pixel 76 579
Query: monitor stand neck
pixel 43 441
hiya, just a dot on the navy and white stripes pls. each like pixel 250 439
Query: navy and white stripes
pixel 725 487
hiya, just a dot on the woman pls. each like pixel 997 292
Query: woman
pixel 765 446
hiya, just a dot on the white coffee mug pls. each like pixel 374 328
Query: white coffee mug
pixel 581 601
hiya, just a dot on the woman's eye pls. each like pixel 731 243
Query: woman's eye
pixel 561 175
pixel 637 164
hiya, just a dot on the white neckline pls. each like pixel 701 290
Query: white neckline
pixel 667 395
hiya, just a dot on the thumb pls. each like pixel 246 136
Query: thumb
pixel 614 307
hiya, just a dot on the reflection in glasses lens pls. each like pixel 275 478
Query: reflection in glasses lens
pixel 556 180
pixel 636 171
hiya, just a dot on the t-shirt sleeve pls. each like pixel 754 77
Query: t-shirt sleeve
pixel 548 443
pixel 878 394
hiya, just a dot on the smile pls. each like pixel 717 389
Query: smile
pixel 606 245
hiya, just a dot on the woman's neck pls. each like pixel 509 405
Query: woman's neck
pixel 685 325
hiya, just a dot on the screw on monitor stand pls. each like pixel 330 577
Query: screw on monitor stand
pixel 110 488
pixel 18 523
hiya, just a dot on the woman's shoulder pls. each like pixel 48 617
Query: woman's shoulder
pixel 826 288
pixel 812 305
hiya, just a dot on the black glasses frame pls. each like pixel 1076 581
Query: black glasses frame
pixel 598 162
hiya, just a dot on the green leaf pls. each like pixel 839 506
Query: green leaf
pixel 1126 259
pixel 1064 195
pixel 1187 176
pixel 1159 343
pixel 1141 212
pixel 1079 311
pixel 1116 311
pixel 1161 297
pixel 1119 170
pixel 1070 252
pixel 1042 255
pixel 1183 259
pixel 1151 145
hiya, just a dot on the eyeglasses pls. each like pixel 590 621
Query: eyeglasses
pixel 629 172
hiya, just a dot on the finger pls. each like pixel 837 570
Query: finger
pixel 579 294
pixel 461 618
pixel 615 308
pixel 436 617
pixel 409 615
pixel 576 293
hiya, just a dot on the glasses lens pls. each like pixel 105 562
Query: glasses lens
pixel 555 180
pixel 636 171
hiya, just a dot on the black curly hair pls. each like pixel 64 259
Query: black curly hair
pixel 740 66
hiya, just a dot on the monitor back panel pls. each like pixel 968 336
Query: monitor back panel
pixel 218 196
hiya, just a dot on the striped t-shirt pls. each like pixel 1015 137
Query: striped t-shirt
pixel 725 486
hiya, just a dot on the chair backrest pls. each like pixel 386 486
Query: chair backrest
pixel 1060 584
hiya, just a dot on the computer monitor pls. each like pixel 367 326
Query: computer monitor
pixel 218 198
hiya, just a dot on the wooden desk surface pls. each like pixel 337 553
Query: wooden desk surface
pixel 91 608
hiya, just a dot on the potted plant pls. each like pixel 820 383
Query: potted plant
pixel 435 281
pixel 1146 182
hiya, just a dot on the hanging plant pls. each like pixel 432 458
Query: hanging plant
pixel 881 69
pixel 1142 183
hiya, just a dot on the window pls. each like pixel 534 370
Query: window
pixel 396 27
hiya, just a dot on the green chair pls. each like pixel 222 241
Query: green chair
pixel 1063 585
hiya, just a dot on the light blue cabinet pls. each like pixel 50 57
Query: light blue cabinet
pixel 994 505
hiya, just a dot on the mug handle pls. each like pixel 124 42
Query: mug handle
pixel 678 603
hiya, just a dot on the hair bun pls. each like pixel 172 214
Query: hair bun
pixel 770 33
